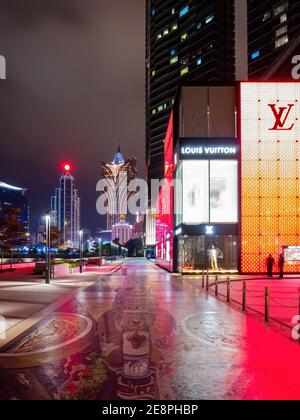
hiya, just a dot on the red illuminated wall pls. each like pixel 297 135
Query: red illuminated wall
pixel 165 204
pixel 270 172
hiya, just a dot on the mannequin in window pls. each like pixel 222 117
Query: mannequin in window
pixel 213 258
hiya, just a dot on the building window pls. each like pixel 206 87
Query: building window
pixel 281 31
pixel 267 16
pixel 174 60
pixel 283 40
pixel 184 71
pixel 159 36
pixel 199 61
pixel 153 73
pixel 255 55
pixel 173 11
pixel 166 32
pixel 209 19
pixel 281 8
pixel 174 27
pixel 199 26
pixel 283 18
pixel 173 53
pixel 184 37
pixel 184 11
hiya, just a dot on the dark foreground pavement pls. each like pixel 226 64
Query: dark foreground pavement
pixel 142 333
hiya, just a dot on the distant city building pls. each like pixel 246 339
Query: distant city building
pixel 114 172
pixel 122 232
pixel 65 209
pixel 151 227
pixel 14 198
pixel 273 27
pixel 104 235
pixel 138 227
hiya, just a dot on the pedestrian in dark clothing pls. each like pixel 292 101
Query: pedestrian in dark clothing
pixel 270 265
pixel 281 265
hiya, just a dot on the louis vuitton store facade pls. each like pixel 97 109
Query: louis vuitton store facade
pixel 206 168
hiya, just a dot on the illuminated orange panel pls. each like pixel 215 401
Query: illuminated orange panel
pixel 270 172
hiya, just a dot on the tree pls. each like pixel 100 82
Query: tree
pixel 135 247
pixel 12 232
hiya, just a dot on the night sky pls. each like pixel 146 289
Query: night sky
pixel 74 89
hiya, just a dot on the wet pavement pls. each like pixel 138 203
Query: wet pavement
pixel 143 333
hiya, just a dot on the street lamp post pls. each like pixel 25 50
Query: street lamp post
pixel 100 251
pixel 48 249
pixel 80 248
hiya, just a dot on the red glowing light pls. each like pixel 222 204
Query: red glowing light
pixel 67 167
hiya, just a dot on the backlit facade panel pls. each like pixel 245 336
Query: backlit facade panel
pixel 270 172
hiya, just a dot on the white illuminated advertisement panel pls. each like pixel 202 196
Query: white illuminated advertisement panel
pixel 270 142
pixel 195 192
pixel 223 191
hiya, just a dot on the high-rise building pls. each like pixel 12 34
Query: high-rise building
pixel 122 231
pixel 12 197
pixel 65 208
pixel 187 40
pixel 118 174
pixel 273 27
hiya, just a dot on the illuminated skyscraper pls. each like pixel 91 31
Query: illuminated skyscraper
pixel 195 41
pixel 119 173
pixel 65 208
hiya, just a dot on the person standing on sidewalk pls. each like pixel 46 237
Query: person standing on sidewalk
pixel 270 265
pixel 281 265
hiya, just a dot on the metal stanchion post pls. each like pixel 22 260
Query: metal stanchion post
pixel 244 296
pixel 228 290
pixel 267 302
pixel 203 279
pixel 216 285
pixel 207 281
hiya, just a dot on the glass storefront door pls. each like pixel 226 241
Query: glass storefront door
pixel 197 253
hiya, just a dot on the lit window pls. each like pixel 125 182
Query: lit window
pixel 153 12
pixel 174 27
pixel 209 19
pixel 283 40
pixel 166 31
pixel 174 60
pixel 267 16
pixel 281 8
pixel 283 18
pixel 184 11
pixel 199 26
pixel 184 71
pixel 281 31
pixel 173 53
pixel 153 73
pixel 199 61
pixel 153 111
pixel 159 36
pixel 184 37
pixel 173 11
pixel 255 55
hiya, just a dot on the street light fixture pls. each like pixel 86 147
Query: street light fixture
pixel 48 249
pixel 80 249
pixel 100 251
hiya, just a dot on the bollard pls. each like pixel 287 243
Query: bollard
pixel 216 285
pixel 228 290
pixel 207 281
pixel 267 301
pixel 244 296
pixel 203 279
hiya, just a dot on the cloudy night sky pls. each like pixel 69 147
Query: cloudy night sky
pixel 74 89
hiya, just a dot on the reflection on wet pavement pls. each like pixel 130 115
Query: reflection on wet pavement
pixel 145 334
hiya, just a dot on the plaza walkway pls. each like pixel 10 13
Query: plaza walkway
pixel 142 333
